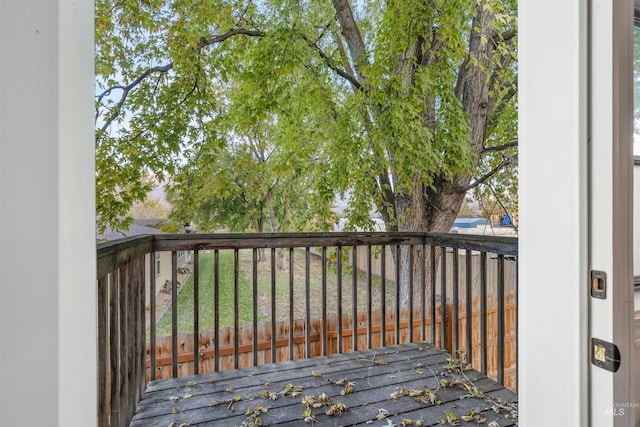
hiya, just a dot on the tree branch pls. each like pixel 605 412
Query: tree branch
pixel 329 62
pixel 234 32
pixel 499 147
pixel 351 33
pixel 163 69
pixel 508 35
pixel 127 89
pixel 503 104
pixel 481 180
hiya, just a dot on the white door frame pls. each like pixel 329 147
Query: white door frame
pixel 575 209
pixel 612 395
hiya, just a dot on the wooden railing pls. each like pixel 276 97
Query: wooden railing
pixel 344 303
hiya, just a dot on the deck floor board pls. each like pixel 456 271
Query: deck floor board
pixel 377 373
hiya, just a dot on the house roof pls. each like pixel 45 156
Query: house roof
pixel 139 227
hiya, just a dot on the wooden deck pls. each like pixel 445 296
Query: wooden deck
pixel 391 386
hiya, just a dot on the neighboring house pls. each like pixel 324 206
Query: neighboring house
pixel 142 227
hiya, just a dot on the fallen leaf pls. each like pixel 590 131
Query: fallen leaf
pixel 336 409
pixel 382 414
pixel 341 381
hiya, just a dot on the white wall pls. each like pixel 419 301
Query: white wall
pixel 552 305
pixel 47 243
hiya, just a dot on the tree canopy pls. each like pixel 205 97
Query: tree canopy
pixel 267 111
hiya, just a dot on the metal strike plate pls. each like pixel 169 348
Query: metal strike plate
pixel 605 355
pixel 598 284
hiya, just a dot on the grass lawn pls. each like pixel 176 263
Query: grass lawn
pixel 185 298
pixel 315 286
pixel 207 300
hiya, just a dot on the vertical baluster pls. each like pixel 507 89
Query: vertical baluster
pixel 433 294
pixel 273 306
pixel 307 300
pixel 142 340
pixel 383 296
pixel 236 308
pixel 483 312
pixel 369 297
pixel 410 293
pixel 291 311
pixel 216 310
pixel 516 314
pixel 131 339
pixel 339 292
pixel 469 305
pixel 423 290
pixel 500 292
pixel 443 297
pixel 324 301
pixel 354 297
pixel 123 366
pixel 152 316
pixel 174 314
pixel 254 282
pixel 114 347
pixel 134 327
pixel 196 311
pixel 455 283
pixel 398 254
pixel 103 338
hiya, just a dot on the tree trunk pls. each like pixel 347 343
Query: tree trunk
pixel 434 207
pixel 423 211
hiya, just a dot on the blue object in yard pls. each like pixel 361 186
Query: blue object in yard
pixel 506 220
pixel 469 222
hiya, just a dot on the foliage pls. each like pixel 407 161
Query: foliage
pixel 149 208
pixel 271 109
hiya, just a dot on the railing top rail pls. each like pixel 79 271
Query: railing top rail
pixel 497 244
pixel 115 253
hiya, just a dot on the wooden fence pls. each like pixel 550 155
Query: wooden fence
pixel 244 343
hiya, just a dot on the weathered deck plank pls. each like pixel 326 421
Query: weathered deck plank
pixel 375 375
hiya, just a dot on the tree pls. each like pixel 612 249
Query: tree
pixel 408 104
pixel 149 208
